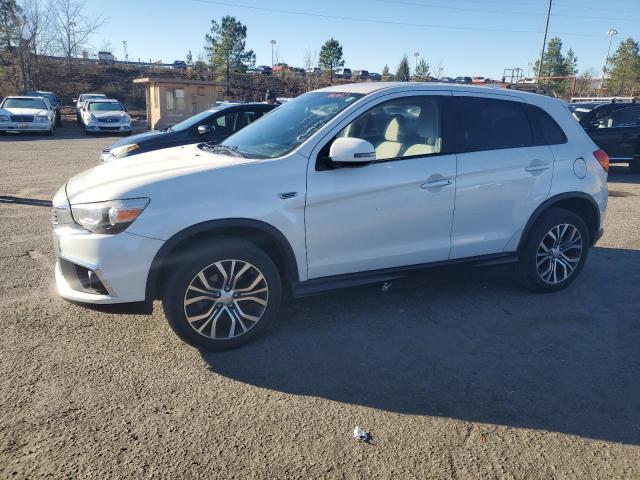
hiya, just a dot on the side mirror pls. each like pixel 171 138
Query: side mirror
pixel 352 150
pixel 204 129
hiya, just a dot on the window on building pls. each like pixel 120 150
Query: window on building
pixel 175 99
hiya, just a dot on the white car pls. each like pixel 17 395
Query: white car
pixel 341 186
pixel 105 115
pixel 27 114
pixel 80 102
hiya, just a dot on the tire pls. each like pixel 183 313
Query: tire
pixel 86 132
pixel 58 119
pixel 536 265
pixel 213 314
pixel 50 132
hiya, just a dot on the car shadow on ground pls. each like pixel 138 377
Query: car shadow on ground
pixel 466 343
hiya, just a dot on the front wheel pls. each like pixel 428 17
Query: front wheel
pixel 222 295
pixel 555 251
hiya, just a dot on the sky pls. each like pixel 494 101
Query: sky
pixel 464 37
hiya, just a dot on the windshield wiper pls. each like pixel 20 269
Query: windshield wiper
pixel 226 149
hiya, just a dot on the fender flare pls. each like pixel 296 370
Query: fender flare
pixel 550 202
pixel 211 226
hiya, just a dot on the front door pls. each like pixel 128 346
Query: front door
pixel 617 132
pixel 502 174
pixel 395 211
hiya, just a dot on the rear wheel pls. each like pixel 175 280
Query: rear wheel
pixel 555 251
pixel 222 295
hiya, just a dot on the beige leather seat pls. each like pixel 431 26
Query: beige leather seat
pixel 428 131
pixel 393 139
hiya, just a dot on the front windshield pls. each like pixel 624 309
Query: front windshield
pixel 192 121
pixel 105 107
pixel 289 125
pixel 25 103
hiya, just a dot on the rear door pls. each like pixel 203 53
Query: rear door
pixel 502 174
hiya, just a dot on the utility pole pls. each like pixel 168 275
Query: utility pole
pixel 544 43
pixel 612 32
pixel 273 44
pixel 415 63
pixel 126 55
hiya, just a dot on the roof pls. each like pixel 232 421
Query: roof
pixel 26 97
pixel 148 80
pixel 102 100
pixel 370 87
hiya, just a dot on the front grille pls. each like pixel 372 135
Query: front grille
pixel 110 120
pixel 81 279
pixel 22 118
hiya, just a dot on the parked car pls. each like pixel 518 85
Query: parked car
pixel 106 58
pixel 280 67
pixel 361 75
pixel 465 80
pixel 615 128
pixel 298 71
pixel 265 70
pixel 447 80
pixel 375 76
pixel 342 73
pixel 314 71
pixel 105 115
pixel 212 126
pixel 27 114
pixel 53 100
pixel 342 186
pixel 480 80
pixel 580 109
pixel 180 65
pixel 80 102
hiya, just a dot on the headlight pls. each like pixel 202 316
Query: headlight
pixel 122 151
pixel 112 216
pixel 4 118
pixel 41 118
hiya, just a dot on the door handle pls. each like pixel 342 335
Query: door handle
pixel 538 167
pixel 436 183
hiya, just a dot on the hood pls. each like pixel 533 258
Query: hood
pixel 140 139
pixel 118 114
pixel 116 180
pixel 27 111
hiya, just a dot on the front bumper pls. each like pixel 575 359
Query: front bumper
pixel 25 127
pixel 107 127
pixel 118 263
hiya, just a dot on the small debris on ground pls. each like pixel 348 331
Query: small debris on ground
pixel 361 434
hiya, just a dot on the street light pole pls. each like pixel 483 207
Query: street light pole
pixel 544 43
pixel 612 32
pixel 415 63
pixel 273 44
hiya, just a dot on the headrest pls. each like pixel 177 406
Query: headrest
pixel 396 129
pixel 428 122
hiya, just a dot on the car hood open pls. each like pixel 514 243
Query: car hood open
pixel 117 180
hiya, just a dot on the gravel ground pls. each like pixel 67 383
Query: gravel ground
pixel 458 374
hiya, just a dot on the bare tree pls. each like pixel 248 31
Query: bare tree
pixel 439 71
pixel 310 62
pixel 106 46
pixel 73 28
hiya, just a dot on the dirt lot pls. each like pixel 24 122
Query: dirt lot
pixel 458 374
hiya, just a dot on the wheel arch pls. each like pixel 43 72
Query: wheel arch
pixel 261 234
pixel 579 203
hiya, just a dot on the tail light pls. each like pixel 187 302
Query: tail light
pixel 603 159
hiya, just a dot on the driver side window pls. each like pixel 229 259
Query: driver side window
pixel 401 128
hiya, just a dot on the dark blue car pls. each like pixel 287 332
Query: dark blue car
pixel 213 125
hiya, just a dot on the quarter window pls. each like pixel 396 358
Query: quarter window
pixel 546 130
pixel 406 127
pixel 491 124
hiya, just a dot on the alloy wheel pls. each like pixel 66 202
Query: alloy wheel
pixel 226 299
pixel 559 253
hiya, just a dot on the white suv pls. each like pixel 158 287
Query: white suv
pixel 342 186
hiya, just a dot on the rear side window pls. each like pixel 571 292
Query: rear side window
pixel 490 124
pixel 545 129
